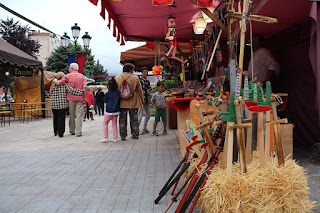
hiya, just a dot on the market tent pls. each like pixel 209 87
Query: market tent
pixel 11 55
pixel 141 21
pixel 145 56
pixel 29 88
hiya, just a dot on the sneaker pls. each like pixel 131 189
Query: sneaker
pixel 164 132
pixel 135 137
pixel 123 138
pixel 114 140
pixel 104 140
pixel 155 133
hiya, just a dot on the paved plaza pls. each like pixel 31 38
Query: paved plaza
pixel 40 172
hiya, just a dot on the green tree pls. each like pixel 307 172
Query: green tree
pixel 58 60
pixel 99 70
pixel 16 34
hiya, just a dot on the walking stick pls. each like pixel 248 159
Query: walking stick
pixel 214 50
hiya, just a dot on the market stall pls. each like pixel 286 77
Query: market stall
pixel 243 118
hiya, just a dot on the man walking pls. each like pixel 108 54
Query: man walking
pixel 77 81
pixel 146 90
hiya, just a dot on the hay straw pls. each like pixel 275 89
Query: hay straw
pixel 271 189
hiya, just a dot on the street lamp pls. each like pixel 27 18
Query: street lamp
pixel 86 40
pixel 65 40
pixel 75 31
pixel 75 34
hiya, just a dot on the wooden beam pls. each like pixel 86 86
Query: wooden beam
pixel 257 8
pixel 213 17
pixel 253 11
pixel 256 18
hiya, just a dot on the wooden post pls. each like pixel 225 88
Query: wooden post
pixel 229 136
pixel 260 140
pixel 240 138
pixel 249 141
pixel 267 138
pixel 277 133
pixel 242 41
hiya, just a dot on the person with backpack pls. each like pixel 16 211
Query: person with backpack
pixel 112 100
pixel 131 100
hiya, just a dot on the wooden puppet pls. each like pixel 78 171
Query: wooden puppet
pixel 171 37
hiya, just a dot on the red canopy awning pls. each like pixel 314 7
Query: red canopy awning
pixel 140 20
pixel 144 56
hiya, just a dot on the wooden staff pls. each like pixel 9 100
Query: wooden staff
pixel 277 133
pixel 260 133
pixel 229 153
pixel 249 141
pixel 208 58
pixel 207 135
pixel 242 41
pixel 267 138
pixel 214 50
pixel 240 138
pixel 183 73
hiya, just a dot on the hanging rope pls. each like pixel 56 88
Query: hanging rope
pixel 278 98
pixel 26 19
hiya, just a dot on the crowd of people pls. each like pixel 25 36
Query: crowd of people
pixel 127 93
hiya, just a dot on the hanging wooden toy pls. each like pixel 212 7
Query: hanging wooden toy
pixel 171 37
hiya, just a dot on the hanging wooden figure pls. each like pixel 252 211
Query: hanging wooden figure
pixel 171 37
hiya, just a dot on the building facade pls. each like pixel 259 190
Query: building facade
pixel 48 43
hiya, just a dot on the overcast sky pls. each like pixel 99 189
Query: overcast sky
pixel 60 15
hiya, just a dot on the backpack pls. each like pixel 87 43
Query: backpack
pixel 125 90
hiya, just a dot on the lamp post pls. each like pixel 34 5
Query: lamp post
pixel 65 39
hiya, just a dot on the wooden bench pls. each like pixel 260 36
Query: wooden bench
pixel 3 115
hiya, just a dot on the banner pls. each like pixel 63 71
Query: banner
pixel 80 61
pixel 162 2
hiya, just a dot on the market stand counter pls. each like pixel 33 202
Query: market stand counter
pixel 182 105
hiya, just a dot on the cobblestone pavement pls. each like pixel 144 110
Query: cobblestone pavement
pixel 43 173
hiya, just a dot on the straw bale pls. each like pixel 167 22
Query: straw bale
pixel 271 189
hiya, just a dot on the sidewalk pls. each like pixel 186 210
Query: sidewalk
pixel 43 173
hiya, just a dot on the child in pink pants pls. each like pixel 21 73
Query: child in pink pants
pixel 112 100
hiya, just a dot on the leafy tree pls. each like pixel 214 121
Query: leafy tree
pixel 58 61
pixel 98 70
pixel 16 34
